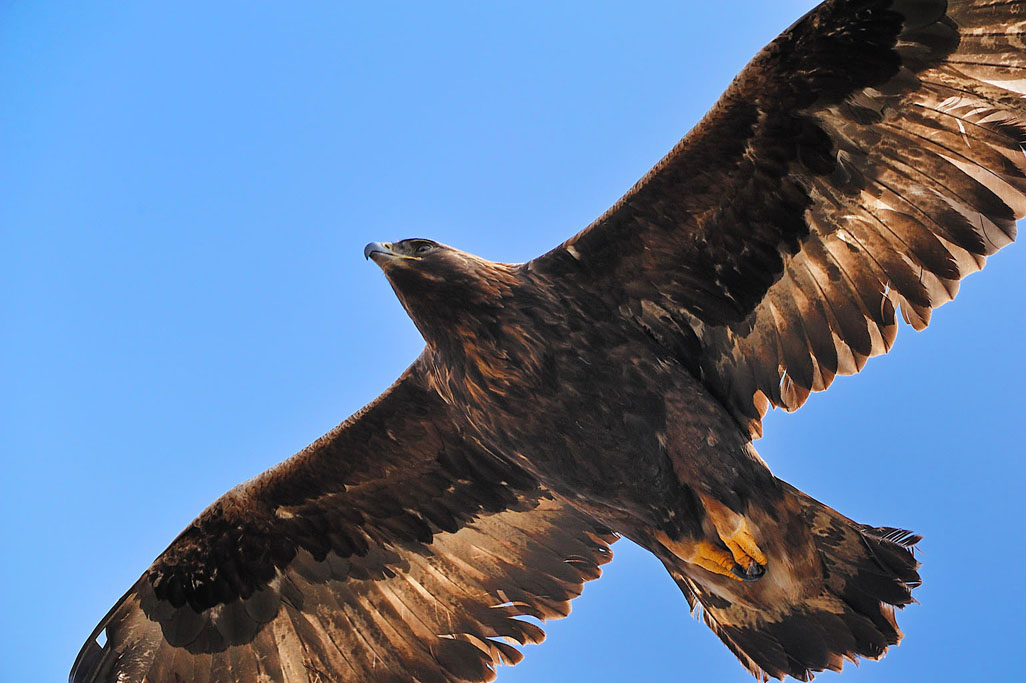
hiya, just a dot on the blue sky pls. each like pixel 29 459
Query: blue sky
pixel 187 189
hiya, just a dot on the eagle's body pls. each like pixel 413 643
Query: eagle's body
pixel 862 164
pixel 531 358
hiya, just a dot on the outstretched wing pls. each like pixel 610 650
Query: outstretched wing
pixel 390 549
pixel 869 158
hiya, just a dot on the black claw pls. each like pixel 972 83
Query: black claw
pixel 754 572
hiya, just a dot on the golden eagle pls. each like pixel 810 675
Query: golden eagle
pixel 863 163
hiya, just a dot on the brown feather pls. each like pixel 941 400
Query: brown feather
pixel 866 160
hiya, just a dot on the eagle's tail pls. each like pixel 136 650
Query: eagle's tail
pixel 828 594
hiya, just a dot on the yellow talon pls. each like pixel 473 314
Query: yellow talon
pixel 733 530
pixel 739 555
pixel 712 559
pixel 746 546
pixel 702 554
pixel 745 560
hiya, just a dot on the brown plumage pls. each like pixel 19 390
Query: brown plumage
pixel 862 164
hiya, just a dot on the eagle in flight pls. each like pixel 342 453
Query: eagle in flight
pixel 862 164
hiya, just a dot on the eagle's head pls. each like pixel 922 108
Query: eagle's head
pixel 450 295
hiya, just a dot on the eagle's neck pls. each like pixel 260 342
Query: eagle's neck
pixel 487 343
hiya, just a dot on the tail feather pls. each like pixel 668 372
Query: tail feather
pixel 828 596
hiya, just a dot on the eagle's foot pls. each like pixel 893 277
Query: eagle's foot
pixel 706 555
pixel 732 528
pixel 743 547
pixel 753 572
pixel 709 557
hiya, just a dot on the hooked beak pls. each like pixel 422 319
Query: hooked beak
pixel 378 250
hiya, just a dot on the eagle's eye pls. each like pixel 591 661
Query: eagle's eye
pixel 423 249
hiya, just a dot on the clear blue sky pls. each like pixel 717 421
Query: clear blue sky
pixel 186 191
